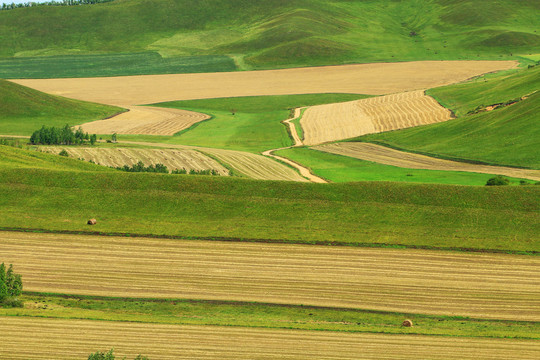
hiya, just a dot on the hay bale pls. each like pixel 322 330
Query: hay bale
pixel 92 222
pixel 407 323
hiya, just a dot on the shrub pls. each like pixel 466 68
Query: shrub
pixel 63 153
pixel 110 356
pixel 498 181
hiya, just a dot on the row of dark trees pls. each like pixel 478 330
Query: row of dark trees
pixel 10 283
pixel 160 168
pixel 61 136
pixel 52 3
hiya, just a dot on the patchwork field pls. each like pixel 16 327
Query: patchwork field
pixel 373 79
pixel 70 339
pixel 333 122
pixel 117 157
pixel 146 120
pixel 492 286
pixel 388 156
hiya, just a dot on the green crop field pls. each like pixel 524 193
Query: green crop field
pixel 24 110
pixel 506 136
pixel 255 125
pixel 225 34
pixel 337 168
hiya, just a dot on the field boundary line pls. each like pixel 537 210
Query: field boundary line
pixel 270 241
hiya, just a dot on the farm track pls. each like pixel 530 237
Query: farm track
pixel 250 165
pixel 146 120
pixel 494 286
pixel 332 122
pixel 388 156
pixel 373 79
pixel 70 339
pixel 117 157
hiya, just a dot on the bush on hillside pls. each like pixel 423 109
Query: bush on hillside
pixel 498 181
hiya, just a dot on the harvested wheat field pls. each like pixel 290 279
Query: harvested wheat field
pixel 388 156
pixel 331 122
pixel 374 79
pixel 247 164
pixel 70 339
pixel 187 159
pixel 493 286
pixel 146 120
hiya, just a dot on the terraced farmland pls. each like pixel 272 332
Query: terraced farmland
pixel 187 159
pixel 331 122
pixel 388 156
pixel 146 121
pixel 70 339
pixel 492 286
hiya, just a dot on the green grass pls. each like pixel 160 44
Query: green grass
pixel 24 110
pixel 337 168
pixel 504 136
pixel 256 125
pixel 364 213
pixel 65 66
pixel 269 34
pixel 194 312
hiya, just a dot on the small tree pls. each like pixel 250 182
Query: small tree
pixel 497 181
pixel 114 137
pixel 93 139
pixel 3 283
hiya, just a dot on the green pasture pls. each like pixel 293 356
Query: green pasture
pixel 357 214
pixel 261 315
pixel 338 168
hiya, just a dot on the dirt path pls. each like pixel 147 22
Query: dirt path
pixel 76 339
pixel 304 171
pixel 374 79
pixel 495 286
pixel 388 156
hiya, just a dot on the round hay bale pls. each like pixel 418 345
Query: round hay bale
pixel 92 222
pixel 407 323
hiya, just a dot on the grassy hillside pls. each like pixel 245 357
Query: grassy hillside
pixel 507 135
pixel 445 216
pixel 23 110
pixel 255 125
pixel 259 34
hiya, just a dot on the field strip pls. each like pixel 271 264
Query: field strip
pixel 371 79
pixel 117 157
pixel 254 166
pixel 495 286
pixel 146 120
pixel 388 156
pixel 331 122
pixel 39 338
pixel 304 171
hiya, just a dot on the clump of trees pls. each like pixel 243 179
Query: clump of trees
pixel 10 287
pixel 61 136
pixel 497 181
pixel 110 356
pixel 52 3
pixel 196 172
pixel 160 168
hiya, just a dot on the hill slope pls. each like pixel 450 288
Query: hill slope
pixel 23 110
pixel 259 34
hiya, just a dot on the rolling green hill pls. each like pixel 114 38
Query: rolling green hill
pixel 114 37
pixel 507 135
pixel 24 110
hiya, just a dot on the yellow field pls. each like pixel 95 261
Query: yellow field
pixel 37 338
pixel 146 120
pixel 384 155
pixel 413 281
pixel 331 122
pixel 174 159
pixel 374 79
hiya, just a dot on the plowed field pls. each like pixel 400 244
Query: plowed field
pixel 76 339
pixel 416 281
pixel 146 120
pixel 331 122
pixel 115 157
pixel 384 155
pixel 374 79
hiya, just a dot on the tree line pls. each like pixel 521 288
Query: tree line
pixel 52 3
pixel 10 286
pixel 160 168
pixel 61 136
